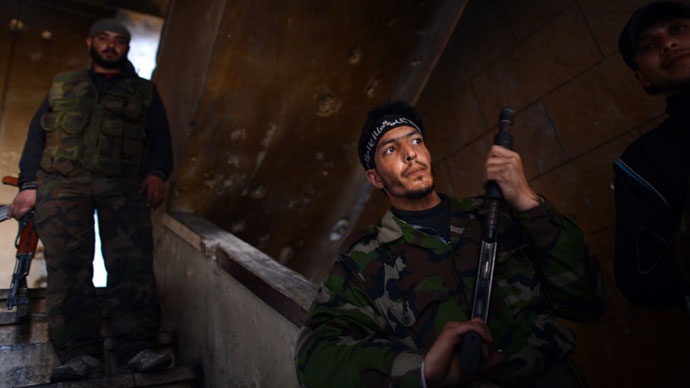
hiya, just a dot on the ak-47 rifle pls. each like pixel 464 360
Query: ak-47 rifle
pixel 471 355
pixel 26 242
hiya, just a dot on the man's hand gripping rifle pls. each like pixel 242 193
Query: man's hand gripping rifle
pixel 26 242
pixel 471 355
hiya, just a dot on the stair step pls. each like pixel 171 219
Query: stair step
pixel 32 363
pixel 181 376
pixel 27 357
pixel 26 364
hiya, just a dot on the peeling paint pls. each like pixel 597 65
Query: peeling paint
pixel 211 181
pixel 354 57
pixel 259 192
pixel 238 134
pixel 339 229
pixel 234 160
pixel 372 88
pixel 266 141
pixel 260 156
pixel 328 105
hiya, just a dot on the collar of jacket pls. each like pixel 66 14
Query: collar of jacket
pixel 678 106
pixel 392 228
pixel 126 71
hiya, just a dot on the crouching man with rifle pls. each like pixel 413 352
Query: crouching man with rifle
pixel 398 301
pixel 26 242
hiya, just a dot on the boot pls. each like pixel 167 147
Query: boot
pixel 147 361
pixel 77 368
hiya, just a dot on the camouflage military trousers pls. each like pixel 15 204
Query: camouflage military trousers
pixel 64 220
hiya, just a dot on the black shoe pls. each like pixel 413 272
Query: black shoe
pixel 77 368
pixel 148 361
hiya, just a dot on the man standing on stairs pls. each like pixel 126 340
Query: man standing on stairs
pixel 652 265
pixel 98 142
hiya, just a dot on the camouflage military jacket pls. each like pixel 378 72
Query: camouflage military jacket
pixel 389 295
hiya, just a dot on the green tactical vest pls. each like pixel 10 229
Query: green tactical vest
pixel 81 132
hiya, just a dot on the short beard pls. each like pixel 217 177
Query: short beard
pixel 413 194
pixel 421 193
pixel 106 64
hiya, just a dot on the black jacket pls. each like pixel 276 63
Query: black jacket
pixel 651 190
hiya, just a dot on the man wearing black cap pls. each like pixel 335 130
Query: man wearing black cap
pixel 652 183
pixel 396 303
pixel 98 142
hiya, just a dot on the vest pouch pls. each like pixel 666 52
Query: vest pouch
pixel 134 144
pixel 110 145
pixel 133 109
pixel 64 142
pixel 123 132
pixel 114 103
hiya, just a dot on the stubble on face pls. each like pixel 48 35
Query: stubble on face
pixel 388 184
pixel 99 58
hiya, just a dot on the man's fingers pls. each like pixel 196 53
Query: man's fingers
pixel 493 360
pixel 497 150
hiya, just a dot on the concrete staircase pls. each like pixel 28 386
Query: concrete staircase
pixel 27 356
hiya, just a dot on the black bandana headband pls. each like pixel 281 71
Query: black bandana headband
pixel 386 124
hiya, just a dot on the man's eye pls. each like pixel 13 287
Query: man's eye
pixel 417 141
pixel 389 150
pixel 645 47
pixel 679 28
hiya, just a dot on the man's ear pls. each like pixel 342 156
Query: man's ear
pixel 641 78
pixel 374 178
pixel 88 42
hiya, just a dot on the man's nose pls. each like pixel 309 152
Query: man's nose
pixel 409 153
pixel 669 43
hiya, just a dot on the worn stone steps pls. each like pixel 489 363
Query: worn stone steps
pixel 27 356
pixel 178 377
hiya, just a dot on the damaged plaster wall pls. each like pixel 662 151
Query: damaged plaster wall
pixel 275 94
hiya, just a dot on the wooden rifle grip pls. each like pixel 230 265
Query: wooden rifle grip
pixel 11 181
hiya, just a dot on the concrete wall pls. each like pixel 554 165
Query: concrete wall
pixel 578 106
pixel 233 309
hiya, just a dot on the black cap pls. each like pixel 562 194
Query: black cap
pixel 110 25
pixel 644 18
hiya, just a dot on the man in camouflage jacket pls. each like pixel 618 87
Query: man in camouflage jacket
pixel 99 141
pixel 397 302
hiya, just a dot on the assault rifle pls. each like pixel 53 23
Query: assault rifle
pixel 471 351
pixel 26 242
